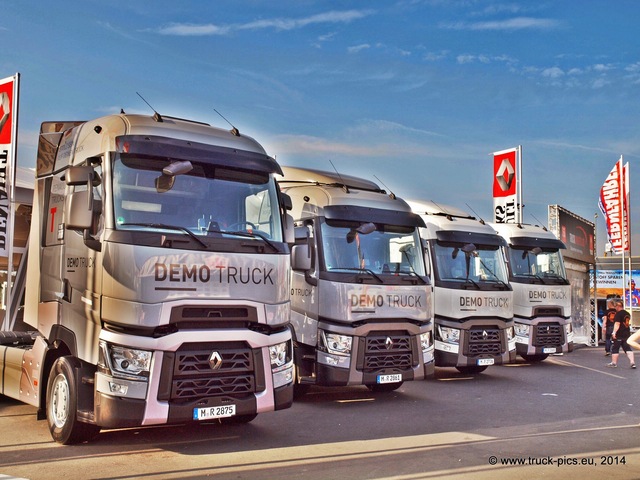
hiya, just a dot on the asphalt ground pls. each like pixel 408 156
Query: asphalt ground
pixel 567 417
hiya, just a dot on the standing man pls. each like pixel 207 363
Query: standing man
pixel 620 334
pixel 607 325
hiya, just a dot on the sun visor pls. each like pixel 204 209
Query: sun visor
pixel 470 237
pixel 544 243
pixel 164 147
pixel 376 215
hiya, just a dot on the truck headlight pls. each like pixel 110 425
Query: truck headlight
pixel 124 362
pixel 448 334
pixel 280 354
pixel 336 343
pixel 521 329
pixel 510 333
pixel 568 328
pixel 426 341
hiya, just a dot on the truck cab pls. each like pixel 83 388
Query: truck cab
pixel 542 292
pixel 473 300
pixel 361 300
pixel 157 278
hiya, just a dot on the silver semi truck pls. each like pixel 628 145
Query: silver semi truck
pixel 360 298
pixel 542 293
pixel 157 282
pixel 473 301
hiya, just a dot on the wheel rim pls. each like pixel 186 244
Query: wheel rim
pixel 59 406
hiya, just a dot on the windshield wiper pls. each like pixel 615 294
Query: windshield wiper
pixel 533 278
pixel 497 281
pixel 166 227
pixel 471 281
pixel 249 235
pixel 412 274
pixel 361 270
pixel 554 276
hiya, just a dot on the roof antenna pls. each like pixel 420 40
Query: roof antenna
pixel 156 116
pixel 344 185
pixel 474 212
pixel 446 214
pixel 391 194
pixel 541 224
pixel 234 130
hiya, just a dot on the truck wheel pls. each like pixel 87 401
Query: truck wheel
pixel 535 358
pixel 384 387
pixel 472 369
pixel 62 405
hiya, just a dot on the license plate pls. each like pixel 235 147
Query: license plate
pixel 395 378
pixel 209 413
pixel 549 350
pixel 485 361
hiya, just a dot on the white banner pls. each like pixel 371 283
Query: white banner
pixel 507 194
pixel 8 144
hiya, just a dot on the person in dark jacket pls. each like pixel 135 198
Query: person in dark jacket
pixel 607 326
pixel 620 334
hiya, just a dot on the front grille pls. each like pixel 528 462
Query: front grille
pixel 387 351
pixel 195 375
pixel 547 335
pixel 484 342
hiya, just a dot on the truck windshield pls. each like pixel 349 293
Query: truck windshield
pixel 201 198
pixel 469 263
pixel 534 263
pixel 375 248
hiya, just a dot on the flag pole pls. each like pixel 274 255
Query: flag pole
pixel 624 232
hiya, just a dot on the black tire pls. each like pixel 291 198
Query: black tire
pixel 535 358
pixel 62 405
pixel 472 369
pixel 384 387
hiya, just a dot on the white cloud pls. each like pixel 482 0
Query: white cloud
pixel 434 56
pixel 600 83
pixel 553 72
pixel 465 58
pixel 519 23
pixel 358 48
pixel 189 29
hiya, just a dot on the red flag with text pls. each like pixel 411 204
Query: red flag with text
pixel 614 204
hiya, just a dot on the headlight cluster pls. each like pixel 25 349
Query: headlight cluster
pixel 448 334
pixel 124 362
pixel 281 358
pixel 280 354
pixel 568 328
pixel 426 341
pixel 522 330
pixel 510 333
pixel 336 344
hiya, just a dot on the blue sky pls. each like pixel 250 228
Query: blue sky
pixel 415 92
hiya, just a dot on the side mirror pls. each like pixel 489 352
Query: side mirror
pixel 301 257
pixel 285 201
pixel 78 216
pixel 289 229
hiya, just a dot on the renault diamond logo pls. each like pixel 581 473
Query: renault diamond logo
pixel 484 334
pixel 215 361
pixel 388 343
pixel 505 175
